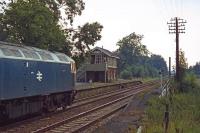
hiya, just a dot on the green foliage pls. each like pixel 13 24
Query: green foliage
pixel 158 63
pixel 44 24
pixel 130 48
pixel 81 59
pixel 126 74
pixel 32 23
pixel 87 35
pixel 184 110
pixel 189 82
pixel 183 61
pixel 196 69
pixel 3 34
pixel 134 58
pixel 71 8
pixel 183 67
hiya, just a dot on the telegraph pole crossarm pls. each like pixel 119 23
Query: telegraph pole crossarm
pixel 177 26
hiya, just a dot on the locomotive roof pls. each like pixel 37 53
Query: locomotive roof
pixel 15 51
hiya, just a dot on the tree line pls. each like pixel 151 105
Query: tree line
pixel 195 69
pixel 136 60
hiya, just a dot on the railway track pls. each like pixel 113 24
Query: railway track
pixel 83 120
pixel 83 95
pixel 93 98
pixel 79 110
pixel 101 90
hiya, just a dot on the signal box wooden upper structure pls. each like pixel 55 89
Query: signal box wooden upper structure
pixel 101 66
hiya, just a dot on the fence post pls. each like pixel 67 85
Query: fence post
pixel 166 118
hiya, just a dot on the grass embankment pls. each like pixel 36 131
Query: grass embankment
pixel 184 112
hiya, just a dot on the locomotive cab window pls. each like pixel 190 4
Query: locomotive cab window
pixel 11 52
pixel 62 58
pixel 30 54
pixel 45 56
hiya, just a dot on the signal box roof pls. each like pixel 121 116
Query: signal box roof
pixel 105 51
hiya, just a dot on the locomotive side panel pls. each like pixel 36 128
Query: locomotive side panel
pixel 45 77
pixel 55 77
pixel 31 78
pixel 1 79
pixel 20 78
pixel 63 77
pixel 30 81
pixel 13 76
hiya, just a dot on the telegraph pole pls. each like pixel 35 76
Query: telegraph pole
pixel 177 26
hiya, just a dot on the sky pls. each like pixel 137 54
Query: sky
pixel 149 18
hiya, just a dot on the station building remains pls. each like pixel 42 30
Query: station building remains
pixel 100 67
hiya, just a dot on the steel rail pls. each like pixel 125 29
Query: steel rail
pixel 96 98
pixel 50 127
pixel 110 92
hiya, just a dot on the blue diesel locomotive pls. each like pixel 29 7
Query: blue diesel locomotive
pixel 33 80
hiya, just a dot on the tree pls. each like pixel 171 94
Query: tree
pixel 134 58
pixel 45 24
pixel 158 62
pixel 125 74
pixel 87 35
pixel 196 69
pixel 130 49
pixel 64 10
pixel 3 34
pixel 133 41
pixel 183 64
pixel 83 38
pixel 183 73
pixel 32 23
pixel 182 60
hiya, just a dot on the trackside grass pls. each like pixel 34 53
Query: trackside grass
pixel 184 113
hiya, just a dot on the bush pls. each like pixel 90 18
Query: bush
pixel 126 74
pixel 189 82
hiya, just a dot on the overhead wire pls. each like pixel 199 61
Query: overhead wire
pixel 173 8
pixel 169 8
pixel 176 5
pixel 169 4
pixel 157 7
pixel 181 3
pixel 181 8
pixel 165 9
pixel 178 8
